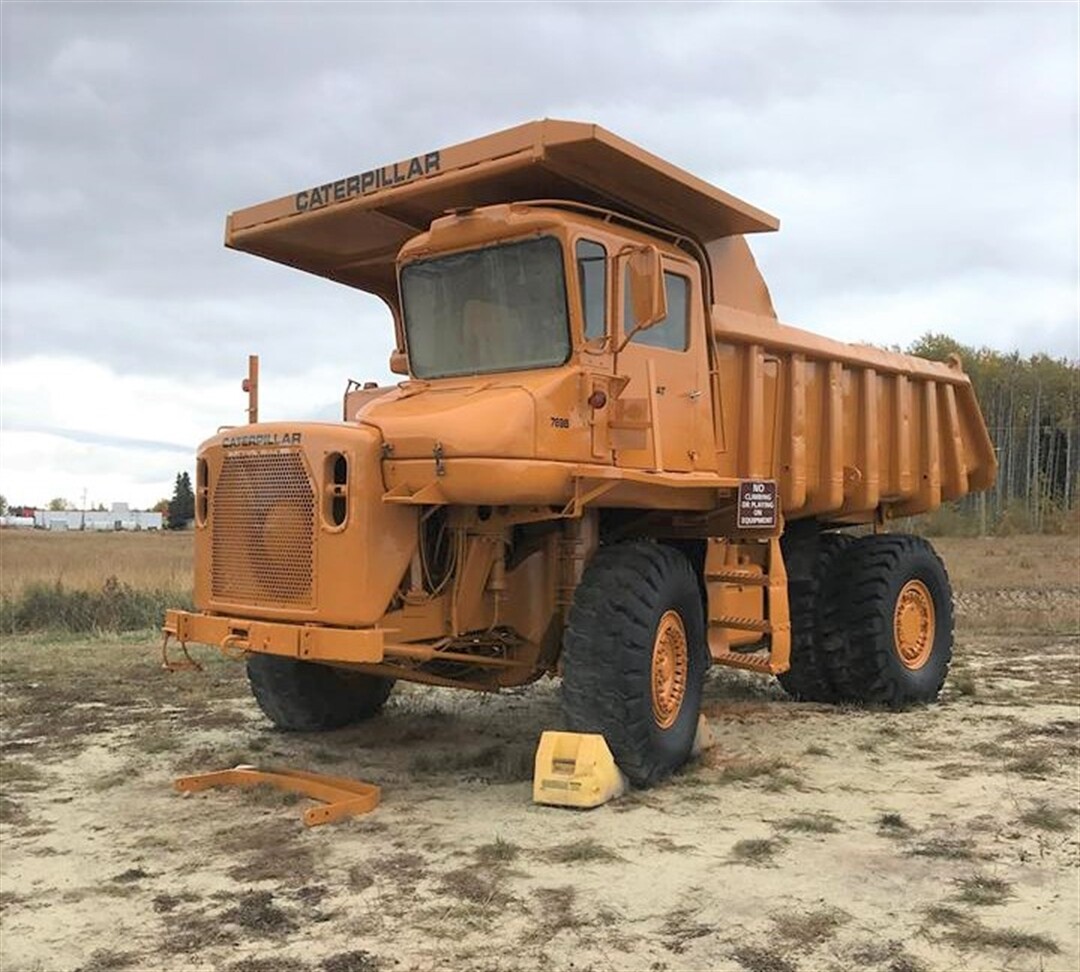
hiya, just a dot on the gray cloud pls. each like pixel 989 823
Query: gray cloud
pixel 903 146
pixel 104 439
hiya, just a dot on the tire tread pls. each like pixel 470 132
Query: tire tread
pixel 301 696
pixel 607 645
pixel 859 649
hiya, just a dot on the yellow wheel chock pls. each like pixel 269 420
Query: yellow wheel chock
pixel 342 797
pixel 575 769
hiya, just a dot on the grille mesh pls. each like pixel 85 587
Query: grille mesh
pixel 263 511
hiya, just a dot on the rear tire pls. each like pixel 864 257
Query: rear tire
pixel 301 696
pixel 634 657
pixel 809 678
pixel 894 641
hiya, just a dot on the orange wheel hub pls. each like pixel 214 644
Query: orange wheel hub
pixel 670 669
pixel 913 624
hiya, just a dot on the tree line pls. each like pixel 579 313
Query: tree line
pixel 1031 410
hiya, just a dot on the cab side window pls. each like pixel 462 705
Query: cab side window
pixel 592 281
pixel 673 332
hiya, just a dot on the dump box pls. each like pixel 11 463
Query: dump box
pixel 607 461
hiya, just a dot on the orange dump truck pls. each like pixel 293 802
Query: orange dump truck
pixel 606 460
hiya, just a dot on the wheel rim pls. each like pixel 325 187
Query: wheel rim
pixel 670 665
pixel 913 624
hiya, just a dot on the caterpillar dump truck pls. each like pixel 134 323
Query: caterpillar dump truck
pixel 607 460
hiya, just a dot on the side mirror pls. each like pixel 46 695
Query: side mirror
pixel 648 298
pixel 399 362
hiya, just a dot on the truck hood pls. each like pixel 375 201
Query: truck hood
pixel 482 419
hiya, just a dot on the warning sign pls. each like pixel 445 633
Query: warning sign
pixel 757 504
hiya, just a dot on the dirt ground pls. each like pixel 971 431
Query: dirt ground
pixel 809 838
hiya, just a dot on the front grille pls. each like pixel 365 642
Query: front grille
pixel 263 525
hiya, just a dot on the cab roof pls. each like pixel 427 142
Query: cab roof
pixel 351 229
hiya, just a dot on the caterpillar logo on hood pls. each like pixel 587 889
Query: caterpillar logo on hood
pixel 260 439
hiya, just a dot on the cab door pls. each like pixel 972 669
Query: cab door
pixel 663 418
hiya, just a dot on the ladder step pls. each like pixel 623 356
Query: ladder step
pixel 738 577
pixel 742 624
pixel 758 661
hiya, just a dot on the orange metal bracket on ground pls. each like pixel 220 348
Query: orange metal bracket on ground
pixel 185 664
pixel 342 797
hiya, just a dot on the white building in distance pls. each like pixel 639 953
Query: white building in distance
pixel 120 517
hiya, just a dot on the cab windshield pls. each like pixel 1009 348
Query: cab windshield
pixel 502 308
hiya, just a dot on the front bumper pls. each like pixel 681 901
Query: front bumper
pixel 306 641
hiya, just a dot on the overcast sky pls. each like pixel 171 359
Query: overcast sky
pixel 922 159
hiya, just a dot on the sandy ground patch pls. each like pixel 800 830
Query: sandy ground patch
pixel 811 838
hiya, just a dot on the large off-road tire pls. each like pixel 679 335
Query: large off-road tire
pixel 893 632
pixel 634 657
pixel 301 696
pixel 810 604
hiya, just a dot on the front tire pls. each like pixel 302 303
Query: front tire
pixel 897 620
pixel 301 696
pixel 634 657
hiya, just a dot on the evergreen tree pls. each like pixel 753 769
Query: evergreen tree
pixel 182 504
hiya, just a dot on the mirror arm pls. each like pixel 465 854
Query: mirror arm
pixel 630 336
pixel 625 341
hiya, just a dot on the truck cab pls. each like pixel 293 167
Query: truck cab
pixel 521 341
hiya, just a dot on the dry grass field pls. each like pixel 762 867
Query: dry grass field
pixel 149 559
pixel 162 559
pixel 809 839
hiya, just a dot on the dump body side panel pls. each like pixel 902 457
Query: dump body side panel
pixel 843 428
